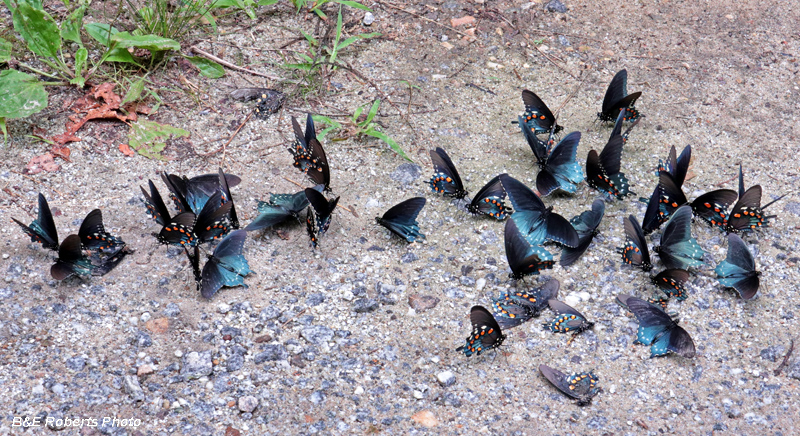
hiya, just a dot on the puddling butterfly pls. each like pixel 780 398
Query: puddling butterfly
pixel 43 228
pixel 401 219
pixel 560 168
pixel 94 237
pixel 490 200
pixel 657 329
pixel 155 205
pixel 711 206
pixel 279 208
pixel 676 166
pixel 536 222
pixel 309 156
pixel 191 194
pixel 523 258
pixel 567 320
pixel 186 229
pixel 580 386
pixel 73 261
pixel 486 333
pixel 635 251
pixel 226 266
pixel 585 225
pixel 617 99
pixel 672 282
pixel 445 179
pixel 318 217
pixel 602 171
pixel 513 308
pixel 678 248
pixel 738 270
pixel 537 117
pixel 747 214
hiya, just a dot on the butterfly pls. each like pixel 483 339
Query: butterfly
pixel 191 195
pixel 486 333
pixel 212 223
pixel 309 156
pixel 72 261
pixel 617 99
pixel 279 208
pixel 738 270
pixel 490 200
pixel 318 217
pixel 580 386
pixel 513 308
pixel 225 267
pixel 43 228
pixel 225 189
pixel 748 214
pixel 401 219
pixel 602 171
pixel 445 179
pixel 537 117
pixel 711 206
pixel 94 237
pixel 536 222
pixel 635 251
pixel 560 170
pixel 524 258
pixel 658 330
pixel 672 282
pixel 585 225
pixel 677 167
pixel 155 205
pixel 678 248
pixel 567 320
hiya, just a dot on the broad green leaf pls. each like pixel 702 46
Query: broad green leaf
pixel 322 119
pixel 39 30
pixel 101 33
pixel 71 27
pixel 80 61
pixel 353 4
pixel 20 94
pixel 373 111
pixel 211 20
pixel 147 42
pixel 208 68
pixel 5 50
pixel 119 55
pixel 149 138
pixel 355 38
pixel 134 92
pixel 385 138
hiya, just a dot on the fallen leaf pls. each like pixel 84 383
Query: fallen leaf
pixel 126 150
pixel 59 150
pixel 230 431
pixel 425 418
pixel 65 138
pixel 45 162
pixel 158 325
pixel 455 22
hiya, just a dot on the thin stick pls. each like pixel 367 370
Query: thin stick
pixel 224 147
pixel 383 2
pixel 571 95
pixel 553 62
pixel 37 182
pixel 725 182
pixel 785 358
pixel 230 65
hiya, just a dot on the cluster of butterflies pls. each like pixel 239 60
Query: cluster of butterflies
pixel 92 252
pixel 532 224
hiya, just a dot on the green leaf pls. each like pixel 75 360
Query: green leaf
pixel 373 111
pixel 309 38
pixel 5 50
pixel 71 27
pixel 357 114
pixel 385 138
pixel 208 68
pixel 39 30
pixel 149 138
pixel 20 94
pixel 134 92
pixel 268 2
pixel 4 129
pixel 147 42
pixel 322 119
pixel 355 38
pixel 353 4
pixel 337 37
pixel 80 61
pixel 101 33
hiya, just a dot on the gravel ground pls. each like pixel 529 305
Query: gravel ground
pixel 359 336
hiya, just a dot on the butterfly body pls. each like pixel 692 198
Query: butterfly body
pixel 445 180
pixel 580 386
pixel 617 99
pixel 43 228
pixel 513 308
pixel 486 333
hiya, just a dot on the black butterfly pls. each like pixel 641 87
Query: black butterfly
pixel 567 320
pixel 524 258
pixel 186 229
pixel 579 386
pixel 191 195
pixel 43 228
pixel 225 267
pixel 401 219
pixel 513 308
pixel 536 222
pixel 225 189
pixel 94 237
pixel 71 260
pixel 537 117
pixel 155 205
pixel 309 156
pixel 560 168
pixel 738 270
pixel 635 251
pixel 712 206
pixel 490 201
pixel 747 214
pixel 486 333
pixel 617 99
pixel 318 217
pixel 445 179
pixel 672 282
pixel 585 225
pixel 678 248
pixel 602 171
pixel 658 330
pixel 279 208
pixel 677 166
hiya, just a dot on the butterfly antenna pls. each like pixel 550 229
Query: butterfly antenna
pixel 773 201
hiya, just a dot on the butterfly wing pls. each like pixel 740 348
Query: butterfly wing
pixel 486 332
pixel 746 214
pixel 562 167
pixel 71 260
pixel 228 198
pixel 673 282
pixel 678 248
pixel 712 206
pixel 523 258
pixel 653 217
pixel 602 171
pixel 490 200
pixel 537 117
pixel 445 180
pixel 179 231
pixel 213 222
pixel 43 228
pixel 155 205
pixel 738 270
pixel 401 219
pixel 567 319
pixel 672 196
pixel 94 237
pixel 635 251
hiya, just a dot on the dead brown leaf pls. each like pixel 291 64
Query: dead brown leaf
pixel 158 325
pixel 45 162
pixel 126 150
pixel 455 22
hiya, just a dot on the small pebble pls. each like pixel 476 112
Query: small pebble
pixel 247 403
pixel 369 18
